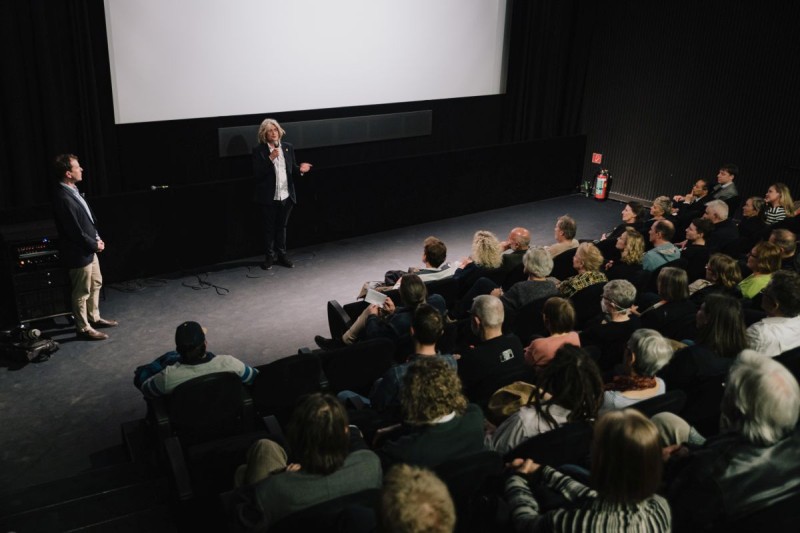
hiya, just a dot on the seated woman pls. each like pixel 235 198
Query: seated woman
pixel 587 263
pixel 438 424
pixel 626 473
pixel 647 353
pixel 753 226
pixel 630 246
pixel 722 275
pixel 559 319
pixel 779 203
pixel 763 260
pixel 538 264
pixel 388 321
pixel 610 332
pixel 695 250
pixel 720 337
pixel 569 389
pixel 634 216
pixel 484 261
pixel 673 314
pixel 661 209
pixel 326 459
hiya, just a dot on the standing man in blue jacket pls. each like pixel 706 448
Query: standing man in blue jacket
pixel 274 166
pixel 79 243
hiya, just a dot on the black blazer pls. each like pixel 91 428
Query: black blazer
pixel 264 172
pixel 77 233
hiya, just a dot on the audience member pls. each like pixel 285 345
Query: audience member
pixel 517 242
pixel 610 332
pixel 725 232
pixel 673 315
pixel 388 321
pixel 630 246
pixel 587 263
pixel 564 233
pixel 720 338
pixel 725 189
pixel 763 260
pixel 752 464
pixel 415 500
pixel 646 354
pixel 752 227
pixel 695 250
pixel 485 259
pixel 722 275
pixel 788 244
pixel 569 389
pixel 661 209
pixel 626 473
pixel 663 250
pixel 324 460
pixel 434 256
pixel 191 361
pixel 692 205
pixel 559 319
pixel 427 326
pixel 780 330
pixel 438 423
pixel 496 360
pixel 779 203
pixel 634 215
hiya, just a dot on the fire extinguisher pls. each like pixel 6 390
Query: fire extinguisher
pixel 602 184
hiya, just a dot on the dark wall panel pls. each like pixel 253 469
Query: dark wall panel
pixel 676 89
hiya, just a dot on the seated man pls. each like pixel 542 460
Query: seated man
pixel 780 330
pixel 725 189
pixel 663 250
pixel 388 321
pixel 693 205
pixel 426 329
pixel 438 424
pixel 414 500
pixel 788 244
pixel 695 249
pixel 497 360
pixel 752 464
pixel 191 361
pixel 564 233
pixel 518 241
pixel 725 231
pixel 325 459
pixel 434 254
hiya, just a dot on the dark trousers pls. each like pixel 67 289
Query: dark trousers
pixel 276 217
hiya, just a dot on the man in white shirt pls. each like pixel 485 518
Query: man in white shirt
pixel 564 233
pixel 780 330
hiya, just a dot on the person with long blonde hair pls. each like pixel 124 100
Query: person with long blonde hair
pixel 779 203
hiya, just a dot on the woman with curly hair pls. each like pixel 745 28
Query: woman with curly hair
pixel 438 424
pixel 779 203
pixel 485 260
pixel 569 389
pixel 661 209
pixel 630 246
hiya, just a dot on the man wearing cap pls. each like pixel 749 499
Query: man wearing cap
pixel 195 361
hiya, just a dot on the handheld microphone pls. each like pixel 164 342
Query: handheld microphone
pixel 156 187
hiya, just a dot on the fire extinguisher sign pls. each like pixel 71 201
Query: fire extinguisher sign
pixel 597 159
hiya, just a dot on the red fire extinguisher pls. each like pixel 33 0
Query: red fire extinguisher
pixel 602 183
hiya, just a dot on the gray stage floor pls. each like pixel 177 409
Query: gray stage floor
pixel 63 416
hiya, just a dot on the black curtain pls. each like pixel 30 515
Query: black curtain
pixel 55 97
pixel 547 66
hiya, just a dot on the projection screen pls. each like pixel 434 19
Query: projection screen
pixel 182 59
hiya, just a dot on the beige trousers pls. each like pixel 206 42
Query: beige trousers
pixel 86 282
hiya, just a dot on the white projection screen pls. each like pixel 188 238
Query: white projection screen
pixel 183 59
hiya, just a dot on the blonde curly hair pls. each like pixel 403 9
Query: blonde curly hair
pixel 486 249
pixel 431 389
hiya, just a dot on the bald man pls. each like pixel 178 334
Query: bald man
pixel 518 241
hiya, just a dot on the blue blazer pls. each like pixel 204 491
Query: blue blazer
pixel 77 233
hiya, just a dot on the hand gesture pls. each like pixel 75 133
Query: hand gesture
pixel 389 306
pixel 305 167
pixel 524 466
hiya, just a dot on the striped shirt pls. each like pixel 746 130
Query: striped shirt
pixel 165 381
pixel 587 512
pixel 774 214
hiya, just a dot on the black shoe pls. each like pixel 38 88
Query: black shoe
pixel 328 344
pixel 284 261
pixel 267 264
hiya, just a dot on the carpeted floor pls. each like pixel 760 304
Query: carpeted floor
pixel 63 416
